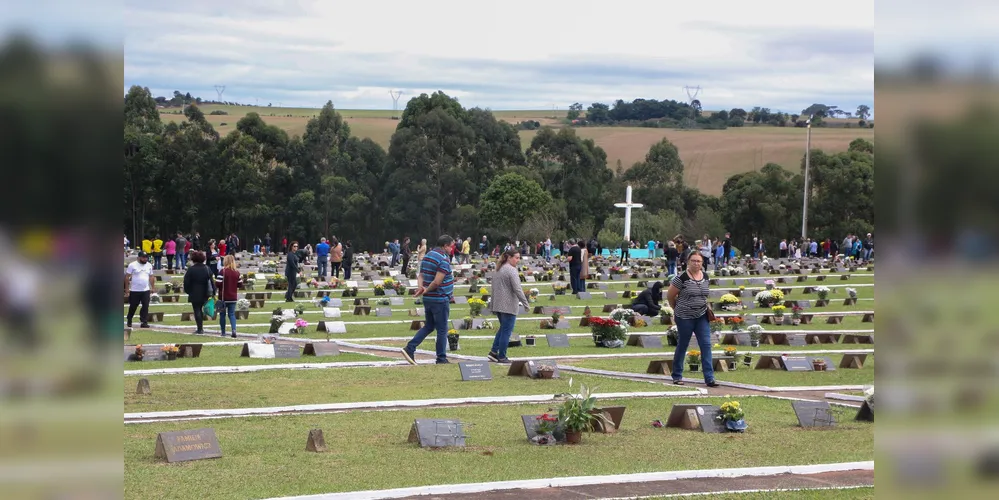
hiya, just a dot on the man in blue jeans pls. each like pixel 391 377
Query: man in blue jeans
pixel 437 289
pixel 322 258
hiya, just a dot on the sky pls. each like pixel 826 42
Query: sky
pixel 514 54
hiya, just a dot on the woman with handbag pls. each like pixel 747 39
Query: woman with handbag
pixel 199 287
pixel 506 299
pixel 228 286
pixel 688 296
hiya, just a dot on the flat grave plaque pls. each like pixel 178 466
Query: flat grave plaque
pixel 183 446
pixel 436 433
pixel 475 371
pixel 390 293
pixel 460 299
pixel 583 295
pixel 383 312
pixel 321 349
pixel 813 413
pixel 331 312
pixel 396 301
pixel 557 339
pixel 336 327
pixel 287 350
pixel 796 340
pixel 797 364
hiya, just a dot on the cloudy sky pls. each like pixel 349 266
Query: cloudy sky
pixel 513 54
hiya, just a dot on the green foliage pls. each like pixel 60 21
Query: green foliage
pixel 574 413
pixel 644 226
pixel 861 145
pixel 765 203
pixel 842 199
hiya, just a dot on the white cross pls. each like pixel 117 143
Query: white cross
pixel 627 206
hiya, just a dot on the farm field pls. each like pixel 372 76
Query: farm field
pixel 710 157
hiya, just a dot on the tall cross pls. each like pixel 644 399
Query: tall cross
pixel 627 206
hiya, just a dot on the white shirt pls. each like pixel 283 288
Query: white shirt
pixel 783 245
pixel 140 276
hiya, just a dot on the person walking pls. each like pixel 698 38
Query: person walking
pixel 348 259
pixel 507 295
pixel 437 289
pixel 139 281
pixel 322 258
pixel 688 296
pixel 157 253
pixel 199 287
pixel 291 271
pixel 212 258
pixel 183 246
pixel 228 285
pixel 728 247
pixel 575 265
pixel 170 250
pixel 406 252
pixel 466 251
pixel 671 256
pixel 267 243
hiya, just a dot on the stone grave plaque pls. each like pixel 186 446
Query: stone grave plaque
pixel 660 367
pixel 415 325
pixel 695 417
pixel 143 387
pixel 460 299
pixel 331 312
pixel 866 413
pixel 321 349
pixel 285 328
pixel 152 352
pixel 351 284
pixel 813 413
pixel 613 414
pixel 830 367
pixel 530 279
pixel 189 351
pixel 362 310
pixel 557 340
pixel 796 340
pixel 651 341
pixel 529 369
pixel 797 364
pixel 335 302
pixel 475 371
pixel 389 292
pixel 855 361
pixel 360 301
pixel 804 304
pixel 858 338
pixel 477 323
pixel 583 295
pixel 769 362
pixel 286 350
pixel 610 295
pixel 458 324
pixel 316 442
pixel 383 312
pixel 868 318
pixel 336 327
pixel 183 446
pixel 436 433
pixel 562 325
pixel 396 301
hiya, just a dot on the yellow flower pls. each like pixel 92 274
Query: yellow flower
pixel 452 331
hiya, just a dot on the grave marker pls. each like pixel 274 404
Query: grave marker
pixel 813 413
pixel 396 301
pixel 660 366
pixel 557 339
pixel 321 349
pixel 797 363
pixel 866 413
pixel 182 446
pixel 695 417
pixel 436 433
pixel 331 312
pixel 583 295
pixel 383 312
pixel 855 361
pixel 475 371
pixel 316 442
pixel 143 387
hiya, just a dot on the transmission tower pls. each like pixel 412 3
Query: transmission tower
pixel 396 94
pixel 692 93
pixel 220 89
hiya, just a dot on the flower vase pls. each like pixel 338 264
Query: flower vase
pixel 546 374
pixel 736 425
pixel 452 341
pixel 530 341
pixel 171 356
pixel 778 320
pixel 694 367
pixel 795 321
pixel 573 437
pixel 754 343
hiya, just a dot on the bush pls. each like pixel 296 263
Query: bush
pixel 736 122
pixel 219 112
pixel 223 124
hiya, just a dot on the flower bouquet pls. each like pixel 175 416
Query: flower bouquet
pixel 737 323
pixel 171 351
pixel 545 427
pixel 796 315
pixel 476 304
pixel 730 302
pixel 694 359
pixel 755 334
pixel 533 294
pixel 733 416
pixel 666 315
pixel 559 288
pixel 607 332
pixel 379 289
pixel 778 312
pixel 300 325
pixel 672 335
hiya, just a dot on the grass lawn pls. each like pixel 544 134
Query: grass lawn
pixel 341 385
pixel 229 356
pixel 266 457
pixel 770 378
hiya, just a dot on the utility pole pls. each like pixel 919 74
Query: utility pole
pixel 808 156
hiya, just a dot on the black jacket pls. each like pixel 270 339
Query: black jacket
pixel 198 283
pixel 650 297
pixel 291 267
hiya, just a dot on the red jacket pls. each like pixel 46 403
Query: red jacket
pixel 228 281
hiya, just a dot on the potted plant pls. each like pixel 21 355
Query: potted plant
pixel 559 288
pixel 476 305
pixel 546 371
pixel 737 323
pixel 823 293
pixel 530 341
pixel 171 351
pixel 532 295
pixel 716 325
pixel 778 311
pixel 666 315
pixel 575 414
pixel 747 360
pixel 732 352
pixel 693 360
pixel 730 302
pixel 733 416
pixel 452 339
pixel 755 333
pixel 672 336
pixel 276 321
pixel 608 332
pixel 818 364
pixel 139 352
pixel 796 315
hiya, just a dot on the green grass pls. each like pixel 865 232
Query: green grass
pixel 229 356
pixel 341 385
pixel 817 494
pixel 769 378
pixel 266 457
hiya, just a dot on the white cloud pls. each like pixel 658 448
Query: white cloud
pixel 505 55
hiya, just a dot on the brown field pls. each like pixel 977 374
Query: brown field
pixel 709 156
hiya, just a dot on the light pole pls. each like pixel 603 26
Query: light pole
pixel 808 155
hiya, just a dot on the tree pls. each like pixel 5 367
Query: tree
pixel 766 203
pixel 509 201
pixel 738 113
pixel 863 112
pixel 598 113
pixel 574 110
pixel 862 145
pixel 140 111
pixel 658 178
pixel 841 193
pixel 574 170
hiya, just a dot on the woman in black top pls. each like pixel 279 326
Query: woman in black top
pixel 647 302
pixel 291 272
pixel 348 259
pixel 199 287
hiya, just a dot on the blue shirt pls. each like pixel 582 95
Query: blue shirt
pixel 435 261
pixel 322 249
pixel 652 246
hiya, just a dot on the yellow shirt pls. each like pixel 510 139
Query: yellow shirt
pixel 147 246
pixel 465 247
pixel 157 246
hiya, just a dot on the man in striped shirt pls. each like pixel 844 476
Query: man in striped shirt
pixel 436 288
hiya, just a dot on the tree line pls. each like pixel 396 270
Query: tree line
pixel 452 170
